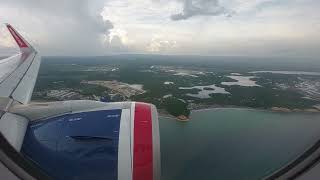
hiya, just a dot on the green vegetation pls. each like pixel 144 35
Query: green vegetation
pixel 62 73
pixel 176 107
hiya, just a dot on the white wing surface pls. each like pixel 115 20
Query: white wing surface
pixel 18 73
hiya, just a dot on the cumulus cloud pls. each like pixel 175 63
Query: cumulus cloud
pixel 59 26
pixel 159 45
pixel 201 8
pixel 116 45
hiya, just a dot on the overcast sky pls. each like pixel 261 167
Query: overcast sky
pixel 201 27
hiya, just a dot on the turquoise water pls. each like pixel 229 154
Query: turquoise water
pixel 238 144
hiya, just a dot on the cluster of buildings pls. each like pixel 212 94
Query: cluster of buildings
pixel 117 91
pixel 65 94
pixel 311 88
pixel 119 88
pixel 69 94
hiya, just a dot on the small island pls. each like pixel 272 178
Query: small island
pixel 183 118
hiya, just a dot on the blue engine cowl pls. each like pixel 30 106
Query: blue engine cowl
pixel 102 144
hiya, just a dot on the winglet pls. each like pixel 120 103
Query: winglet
pixel 22 43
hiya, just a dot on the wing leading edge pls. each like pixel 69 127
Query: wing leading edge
pixel 18 73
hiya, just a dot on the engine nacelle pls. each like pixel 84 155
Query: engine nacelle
pixel 93 140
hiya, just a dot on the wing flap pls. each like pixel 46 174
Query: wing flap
pixel 8 86
pixel 13 127
pixel 24 90
pixel 9 65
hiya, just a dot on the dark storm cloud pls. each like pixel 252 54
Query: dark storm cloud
pixel 201 8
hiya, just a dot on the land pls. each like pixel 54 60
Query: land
pixel 179 84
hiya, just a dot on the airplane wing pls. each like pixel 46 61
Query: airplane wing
pixel 18 73
pixel 118 141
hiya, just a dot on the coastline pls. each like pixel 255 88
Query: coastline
pixel 201 107
pixel 163 113
pixel 272 109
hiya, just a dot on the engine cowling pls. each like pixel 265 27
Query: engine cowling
pixel 95 140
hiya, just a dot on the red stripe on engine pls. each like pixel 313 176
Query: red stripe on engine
pixel 142 143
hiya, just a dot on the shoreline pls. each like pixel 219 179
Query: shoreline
pixel 281 110
pixel 314 110
pixel 201 107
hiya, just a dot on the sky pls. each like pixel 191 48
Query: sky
pixel 195 27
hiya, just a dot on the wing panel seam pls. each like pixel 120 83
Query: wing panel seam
pixel 22 77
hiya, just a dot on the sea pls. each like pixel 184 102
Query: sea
pixel 234 144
